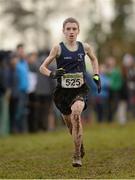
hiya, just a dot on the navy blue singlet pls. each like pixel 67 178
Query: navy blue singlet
pixel 72 61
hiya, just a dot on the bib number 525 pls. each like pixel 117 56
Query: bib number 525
pixel 73 82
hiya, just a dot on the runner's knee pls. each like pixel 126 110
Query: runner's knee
pixel 77 107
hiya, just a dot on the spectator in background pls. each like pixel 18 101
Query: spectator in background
pixel 129 70
pixel 4 94
pixel 100 101
pixel 13 84
pixel 44 89
pixel 23 71
pixel 122 108
pixel 115 78
pixel 32 100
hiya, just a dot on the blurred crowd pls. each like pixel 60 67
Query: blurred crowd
pixel 26 103
pixel 116 102
pixel 25 94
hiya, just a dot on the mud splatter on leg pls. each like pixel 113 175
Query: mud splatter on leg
pixel 77 131
pixel 67 120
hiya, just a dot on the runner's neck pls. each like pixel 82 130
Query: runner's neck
pixel 72 46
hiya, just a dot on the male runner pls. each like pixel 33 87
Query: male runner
pixel 70 93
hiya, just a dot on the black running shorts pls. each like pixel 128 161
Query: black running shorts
pixel 65 97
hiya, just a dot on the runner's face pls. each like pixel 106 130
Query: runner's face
pixel 71 31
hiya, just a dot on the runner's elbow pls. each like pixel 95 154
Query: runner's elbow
pixel 41 69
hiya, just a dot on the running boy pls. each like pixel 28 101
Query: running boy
pixel 71 90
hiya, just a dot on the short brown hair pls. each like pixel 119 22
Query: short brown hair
pixel 21 45
pixel 70 20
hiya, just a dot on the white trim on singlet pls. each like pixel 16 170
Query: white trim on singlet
pixel 85 45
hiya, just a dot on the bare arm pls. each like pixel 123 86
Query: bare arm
pixel 92 57
pixel 44 66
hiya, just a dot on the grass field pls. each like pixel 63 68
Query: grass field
pixel 110 153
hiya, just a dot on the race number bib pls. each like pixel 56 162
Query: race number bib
pixel 72 80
